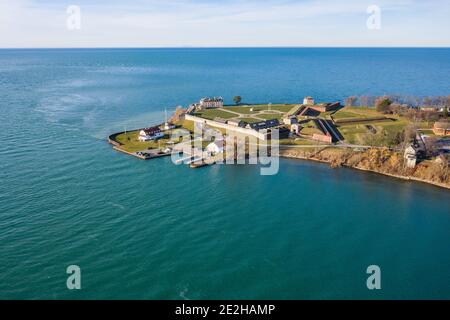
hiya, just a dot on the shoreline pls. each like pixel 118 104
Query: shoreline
pixel 295 155
pixel 380 160
pixel 116 146
pixel 392 175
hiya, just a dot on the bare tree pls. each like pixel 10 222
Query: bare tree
pixel 382 104
pixel 364 101
pixel 350 101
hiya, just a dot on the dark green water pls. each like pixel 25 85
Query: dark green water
pixel 153 230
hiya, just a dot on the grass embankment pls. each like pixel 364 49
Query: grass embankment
pixel 359 132
pixel 309 128
pixel 356 129
pixel 256 108
pixel 356 112
pixel 187 124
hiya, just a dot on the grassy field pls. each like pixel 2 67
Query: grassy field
pixel 249 120
pixel 309 128
pixel 391 126
pixel 260 107
pixel 270 116
pixel 356 112
pixel 355 132
pixel 187 124
pixel 213 113
pixel 131 143
pixel 346 115
pixel 309 131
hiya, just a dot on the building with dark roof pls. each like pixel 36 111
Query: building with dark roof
pixel 237 123
pixel 264 124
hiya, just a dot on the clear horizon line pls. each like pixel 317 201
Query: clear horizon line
pixel 232 47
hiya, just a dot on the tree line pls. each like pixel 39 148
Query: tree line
pixel 402 100
pixel 407 106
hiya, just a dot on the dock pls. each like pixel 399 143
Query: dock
pixel 144 155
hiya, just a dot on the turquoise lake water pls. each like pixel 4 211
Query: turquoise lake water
pixel 153 230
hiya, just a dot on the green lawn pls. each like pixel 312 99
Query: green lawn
pixel 346 115
pixel 391 126
pixel 131 143
pixel 260 107
pixel 188 125
pixel 309 131
pixel 309 128
pixel 356 112
pixel 270 116
pixel 249 120
pixel 213 113
pixel 352 133
pixel 355 132
pixel 282 107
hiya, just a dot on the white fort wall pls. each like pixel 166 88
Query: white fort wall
pixel 245 131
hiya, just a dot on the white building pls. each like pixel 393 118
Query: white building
pixel 410 156
pixel 308 101
pixel 168 126
pixel 290 120
pixel 209 103
pixel 215 147
pixel 149 134
pixel 295 128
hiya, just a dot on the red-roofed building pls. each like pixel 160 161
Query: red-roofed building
pixel 148 134
pixel 441 128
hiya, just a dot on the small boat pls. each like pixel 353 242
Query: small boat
pixel 195 165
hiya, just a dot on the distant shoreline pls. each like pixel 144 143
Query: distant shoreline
pixel 218 47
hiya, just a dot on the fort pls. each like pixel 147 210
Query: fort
pixel 303 131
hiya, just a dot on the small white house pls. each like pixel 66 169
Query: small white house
pixel 410 156
pixel 168 126
pixel 215 147
pixel 150 134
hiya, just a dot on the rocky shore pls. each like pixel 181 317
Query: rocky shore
pixel 382 161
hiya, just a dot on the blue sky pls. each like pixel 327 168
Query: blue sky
pixel 226 23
